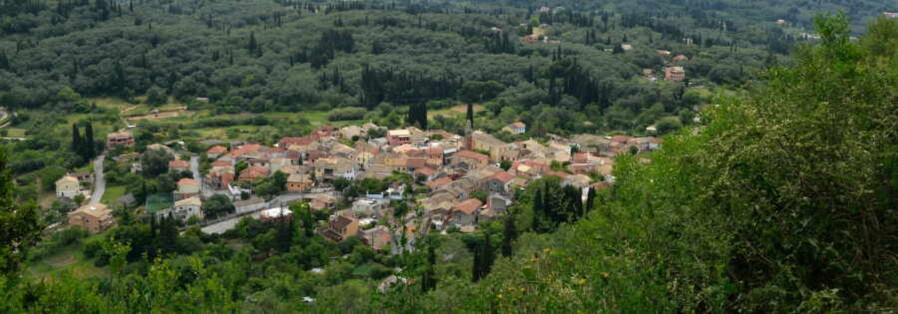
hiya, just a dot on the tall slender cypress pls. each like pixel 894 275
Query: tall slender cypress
pixel 470 115
pixel 76 139
pixel 509 233
pixel 428 279
pixel 90 148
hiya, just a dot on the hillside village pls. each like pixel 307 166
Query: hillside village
pixel 386 190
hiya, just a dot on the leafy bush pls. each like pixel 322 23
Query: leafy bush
pixel 346 114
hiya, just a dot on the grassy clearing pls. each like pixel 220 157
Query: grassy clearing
pixel 69 259
pixel 110 102
pixel 112 194
pixel 15 132
pixel 459 110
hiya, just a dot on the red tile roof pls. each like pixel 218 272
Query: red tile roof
pixel 415 162
pixel 620 139
pixel 254 172
pixel 468 206
pixel 178 164
pixel 501 176
pixel 217 150
pixel 472 155
pixel 289 141
pixel 187 181
pixel 439 182
pixel 245 149
pixel 341 222
pixel 425 171
pixel 220 163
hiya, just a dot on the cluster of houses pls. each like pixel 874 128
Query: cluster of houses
pixel 461 180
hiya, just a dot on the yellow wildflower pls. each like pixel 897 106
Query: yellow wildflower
pixel 499 297
pixel 604 275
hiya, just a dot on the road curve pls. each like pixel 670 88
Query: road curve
pixel 99 180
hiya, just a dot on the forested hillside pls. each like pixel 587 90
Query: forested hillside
pixel 286 55
pixel 775 189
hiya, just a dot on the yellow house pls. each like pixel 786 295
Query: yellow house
pixel 485 142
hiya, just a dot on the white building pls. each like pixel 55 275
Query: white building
pixel 369 207
pixel 67 186
pixel 184 209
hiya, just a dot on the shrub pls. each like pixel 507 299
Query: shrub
pixel 346 114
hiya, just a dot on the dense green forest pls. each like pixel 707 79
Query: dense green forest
pixel 262 56
pixel 781 198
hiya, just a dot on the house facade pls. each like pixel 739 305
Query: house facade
pixel 340 228
pixel 674 74
pixel 184 209
pixel 115 139
pixel 93 217
pixel 187 188
pixel 67 186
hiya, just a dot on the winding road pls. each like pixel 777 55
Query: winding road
pixel 99 180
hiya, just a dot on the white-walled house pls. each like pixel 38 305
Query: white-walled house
pixel 67 186
pixel 184 209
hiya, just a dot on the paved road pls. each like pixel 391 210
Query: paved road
pixel 222 226
pixel 282 200
pixel 99 180
pixel 195 168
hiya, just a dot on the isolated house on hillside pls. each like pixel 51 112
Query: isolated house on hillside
pixel 93 217
pixel 116 139
pixel 674 74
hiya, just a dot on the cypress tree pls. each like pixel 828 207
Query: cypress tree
pixel 252 45
pixel 90 149
pixel 509 233
pixel 476 270
pixel 168 236
pixel 428 280
pixel 488 255
pixel 423 116
pixel 537 210
pixel 76 140
pixel 470 115
pixel 4 61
